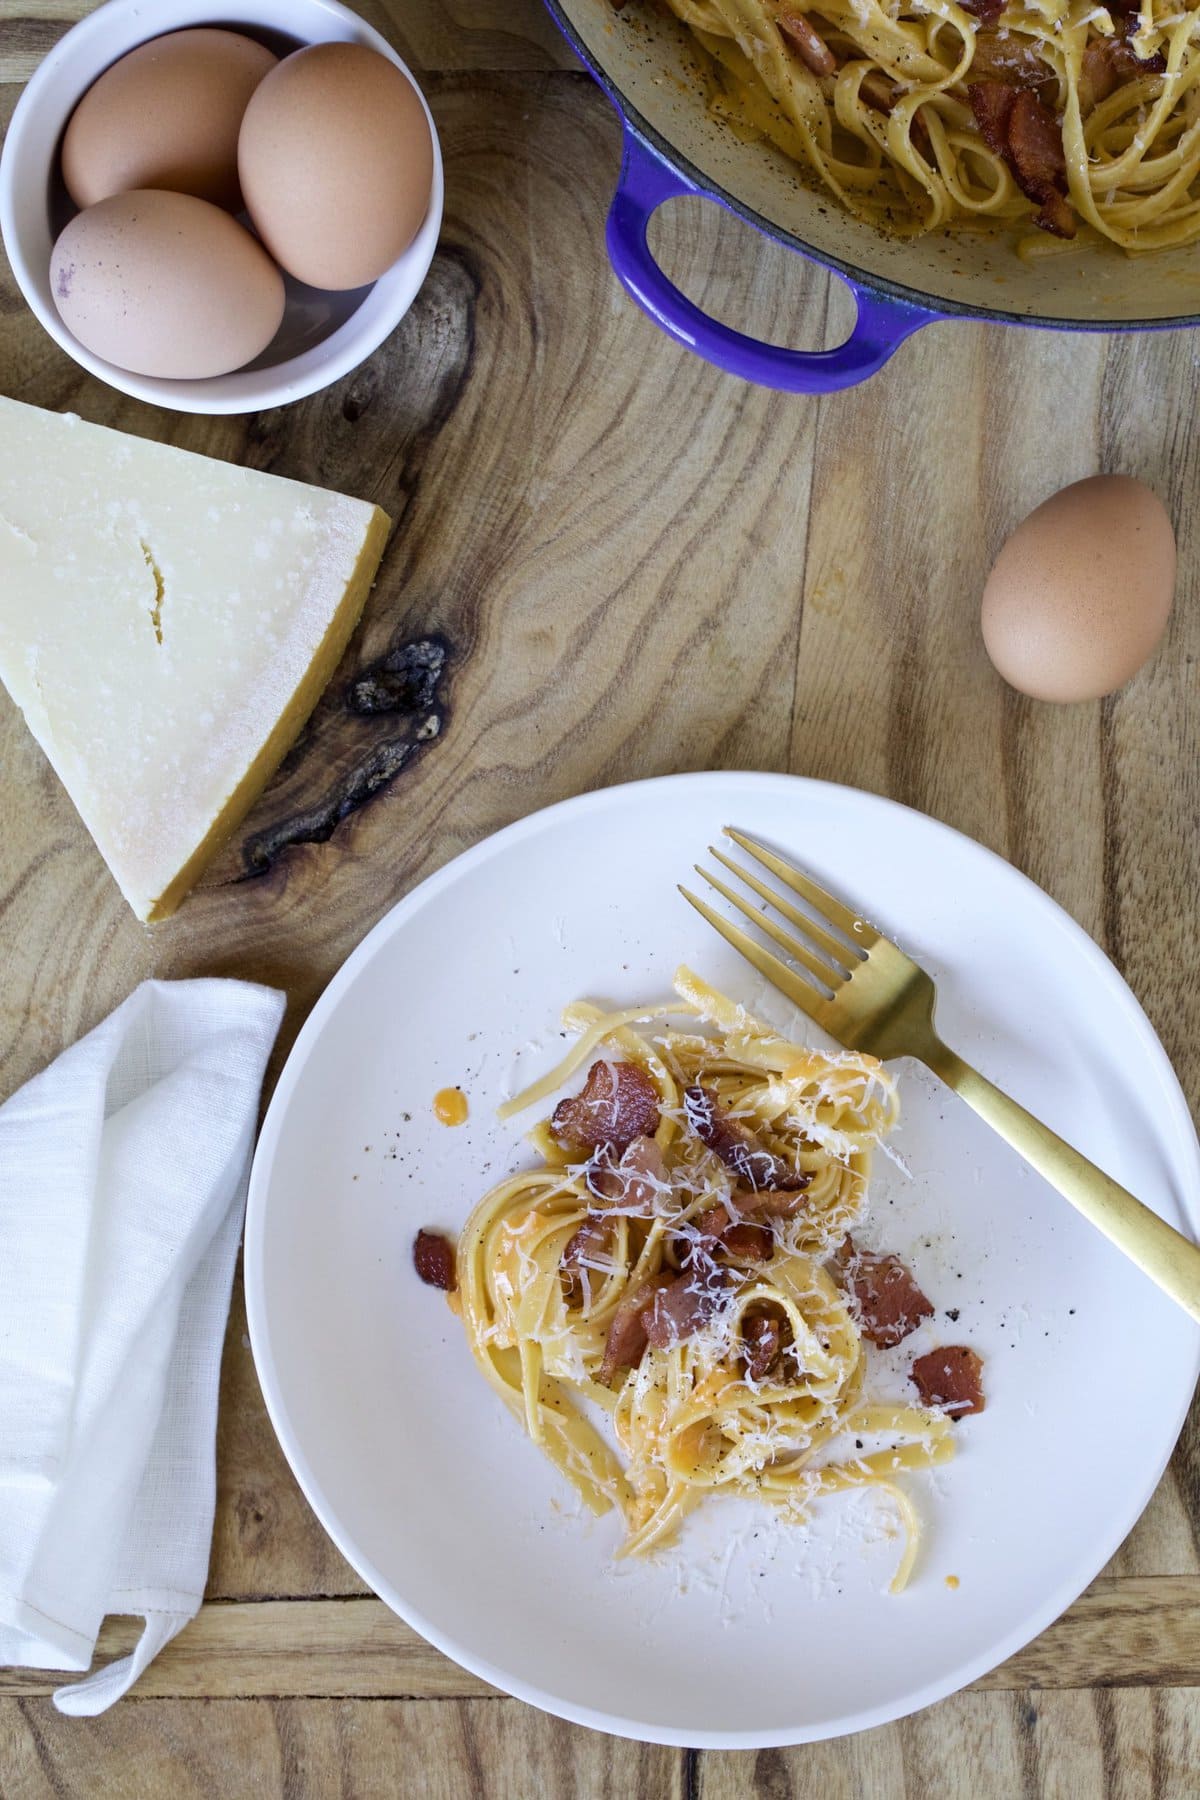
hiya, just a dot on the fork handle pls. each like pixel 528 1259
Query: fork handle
pixel 1163 1253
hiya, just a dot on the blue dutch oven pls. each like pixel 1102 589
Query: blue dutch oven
pixel 650 68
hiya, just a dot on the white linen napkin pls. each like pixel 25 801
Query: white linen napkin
pixel 123 1171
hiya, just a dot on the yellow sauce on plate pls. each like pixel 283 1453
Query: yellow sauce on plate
pixel 450 1106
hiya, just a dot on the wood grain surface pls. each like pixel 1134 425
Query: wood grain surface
pixel 611 562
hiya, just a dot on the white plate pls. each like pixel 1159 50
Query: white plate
pixel 758 1634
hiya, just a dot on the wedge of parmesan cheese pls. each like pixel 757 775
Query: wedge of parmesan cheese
pixel 167 624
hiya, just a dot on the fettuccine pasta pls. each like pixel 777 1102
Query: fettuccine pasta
pixel 674 1271
pixel 922 114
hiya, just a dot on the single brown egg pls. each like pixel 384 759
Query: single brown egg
pixel 336 164
pixel 166 116
pixel 1080 595
pixel 165 284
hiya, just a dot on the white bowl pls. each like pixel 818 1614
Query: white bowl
pixel 323 335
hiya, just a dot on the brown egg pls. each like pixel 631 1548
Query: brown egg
pixel 165 284
pixel 1080 595
pixel 166 116
pixel 336 164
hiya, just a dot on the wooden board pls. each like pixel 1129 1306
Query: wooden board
pixel 1139 1744
pixel 1125 1632
pixel 629 565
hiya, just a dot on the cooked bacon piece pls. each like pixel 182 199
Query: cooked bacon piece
pixel 1108 63
pixel 1035 146
pixel 1130 26
pixel 890 1304
pixel 628 1186
pixel 626 1338
pixel 720 1230
pixel 812 46
pixel 951 1379
pixel 774 1203
pixel 762 1338
pixel 1038 162
pixel 748 1242
pixel 675 1312
pixel 992 103
pixel 1056 216
pixel 433 1259
pixel 877 91
pixel 711 1224
pixel 589 1244
pixel 1098 76
pixel 1001 58
pixel 631 1184
pixel 718 1222
pixel 737 1146
pixel 618 1103
pixel 1016 125
pixel 1126 16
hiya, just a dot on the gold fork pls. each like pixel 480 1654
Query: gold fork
pixel 868 995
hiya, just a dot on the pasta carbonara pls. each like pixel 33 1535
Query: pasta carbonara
pixel 920 114
pixel 679 1268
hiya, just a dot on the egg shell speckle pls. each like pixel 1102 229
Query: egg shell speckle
pixel 167 285
pixel 1081 593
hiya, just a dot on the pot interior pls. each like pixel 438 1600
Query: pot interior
pixel 656 68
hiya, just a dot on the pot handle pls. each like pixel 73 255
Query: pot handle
pixel 647 180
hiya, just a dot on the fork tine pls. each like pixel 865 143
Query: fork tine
pixel 843 959
pixel 820 971
pixel 856 928
pixel 797 989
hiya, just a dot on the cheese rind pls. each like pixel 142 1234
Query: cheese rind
pixel 167 624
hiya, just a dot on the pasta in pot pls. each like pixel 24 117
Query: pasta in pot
pixel 923 114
